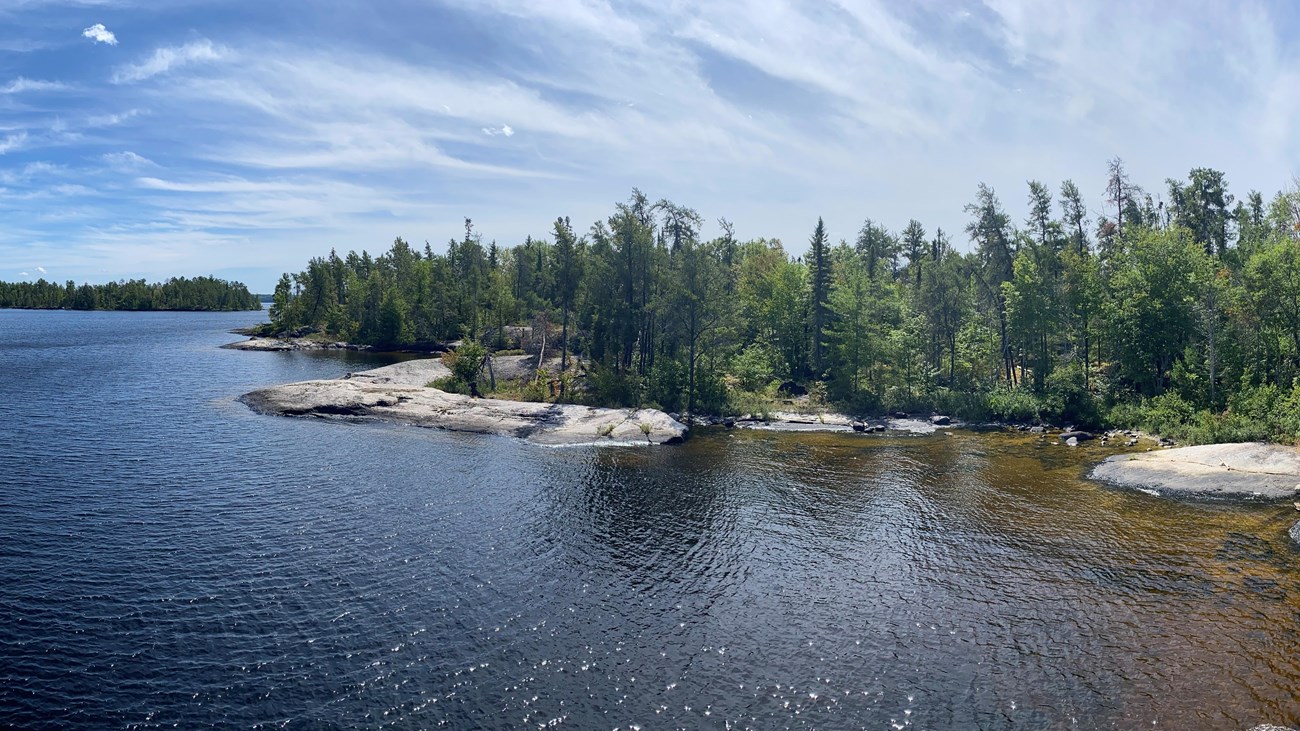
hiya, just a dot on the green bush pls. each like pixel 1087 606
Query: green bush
pixel 607 387
pixel 755 366
pixel 1254 413
pixel 1007 403
pixel 751 403
pixel 667 386
pixel 465 363
pixel 860 403
pixel 1068 400
pixel 710 390
pixel 961 404
pixel 1168 414
pixel 1125 415
pixel 449 384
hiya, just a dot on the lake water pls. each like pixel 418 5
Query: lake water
pixel 169 559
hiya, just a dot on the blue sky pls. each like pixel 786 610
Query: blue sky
pixel 152 139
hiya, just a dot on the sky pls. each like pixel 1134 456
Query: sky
pixel 146 139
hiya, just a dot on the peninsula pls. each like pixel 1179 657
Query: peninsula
pixel 398 394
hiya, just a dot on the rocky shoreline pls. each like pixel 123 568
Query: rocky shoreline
pixel 397 394
pixel 256 343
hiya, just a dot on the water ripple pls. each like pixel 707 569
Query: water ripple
pixel 172 560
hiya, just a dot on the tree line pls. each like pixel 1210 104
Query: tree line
pixel 177 293
pixel 1177 310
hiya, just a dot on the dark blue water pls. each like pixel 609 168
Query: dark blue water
pixel 169 559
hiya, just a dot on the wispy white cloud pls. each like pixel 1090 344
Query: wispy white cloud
pixel 12 142
pixel 41 270
pixel 21 45
pixel 110 120
pixel 21 84
pixel 127 160
pixel 167 58
pixel 504 130
pixel 99 34
pixel 28 172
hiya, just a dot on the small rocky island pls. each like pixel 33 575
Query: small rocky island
pixel 397 394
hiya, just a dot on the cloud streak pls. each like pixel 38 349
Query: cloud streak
pixel 22 84
pixel 12 142
pixel 167 58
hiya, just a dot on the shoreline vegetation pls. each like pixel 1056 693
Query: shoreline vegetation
pixel 1170 313
pixel 181 294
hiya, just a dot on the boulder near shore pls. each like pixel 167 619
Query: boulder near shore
pixel 1248 470
pixel 396 394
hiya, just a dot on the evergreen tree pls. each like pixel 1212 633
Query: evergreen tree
pixel 819 276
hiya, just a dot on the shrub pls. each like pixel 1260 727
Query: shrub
pixel 608 387
pixel 1068 399
pixel 449 384
pixel 1008 403
pixel 1168 414
pixel 465 364
pixel 755 366
pixel 667 385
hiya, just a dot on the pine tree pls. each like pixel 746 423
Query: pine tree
pixel 819 274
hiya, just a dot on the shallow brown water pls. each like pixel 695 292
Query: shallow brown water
pixel 987 573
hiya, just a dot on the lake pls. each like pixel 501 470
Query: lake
pixel 170 559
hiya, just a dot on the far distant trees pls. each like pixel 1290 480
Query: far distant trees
pixel 178 293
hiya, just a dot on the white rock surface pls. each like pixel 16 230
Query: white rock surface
pixel 1243 470
pixel 364 396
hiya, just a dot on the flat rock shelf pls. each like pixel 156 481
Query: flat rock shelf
pixel 1249 470
pixel 396 394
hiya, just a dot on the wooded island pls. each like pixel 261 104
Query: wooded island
pixel 178 293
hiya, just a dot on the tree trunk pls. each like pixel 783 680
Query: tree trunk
pixel 564 342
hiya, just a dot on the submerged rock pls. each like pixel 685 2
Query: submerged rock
pixel 1081 436
pixel 1249 470
pixel 938 420
pixel 1295 535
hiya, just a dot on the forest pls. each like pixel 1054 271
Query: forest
pixel 1174 310
pixel 177 293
